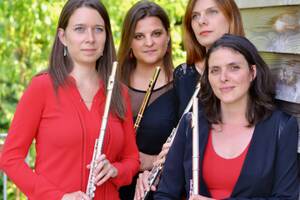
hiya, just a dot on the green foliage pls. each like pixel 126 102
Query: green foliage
pixel 26 33
pixel 27 28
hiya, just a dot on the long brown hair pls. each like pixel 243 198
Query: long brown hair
pixel 262 88
pixel 60 66
pixel 137 12
pixel 195 51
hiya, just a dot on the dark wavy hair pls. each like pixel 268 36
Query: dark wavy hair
pixel 60 66
pixel 138 11
pixel 262 88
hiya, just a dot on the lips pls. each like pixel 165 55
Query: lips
pixel 204 33
pixel 226 89
pixel 150 51
pixel 88 50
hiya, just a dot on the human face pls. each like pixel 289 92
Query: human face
pixel 208 22
pixel 150 41
pixel 230 76
pixel 84 36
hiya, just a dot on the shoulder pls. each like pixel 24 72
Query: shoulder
pixel 282 122
pixel 124 90
pixel 183 70
pixel 125 93
pixel 285 120
pixel 41 81
pixel 280 117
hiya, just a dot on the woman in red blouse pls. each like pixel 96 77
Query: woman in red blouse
pixel 62 111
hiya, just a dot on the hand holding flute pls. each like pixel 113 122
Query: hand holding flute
pixel 150 179
pixel 95 166
pixel 161 157
pixel 104 170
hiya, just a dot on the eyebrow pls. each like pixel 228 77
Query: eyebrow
pixel 209 8
pixel 233 63
pixel 158 29
pixel 229 64
pixel 97 25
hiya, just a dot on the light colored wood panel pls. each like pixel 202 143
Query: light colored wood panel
pixel 265 3
pixel 274 29
pixel 292 109
pixel 286 69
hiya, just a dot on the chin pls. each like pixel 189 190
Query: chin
pixel 208 40
pixel 151 62
pixel 208 43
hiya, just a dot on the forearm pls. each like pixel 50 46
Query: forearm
pixel 146 161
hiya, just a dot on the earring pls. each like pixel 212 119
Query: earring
pixel 131 54
pixel 65 51
pixel 168 50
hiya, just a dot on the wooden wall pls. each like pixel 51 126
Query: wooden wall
pixel 274 27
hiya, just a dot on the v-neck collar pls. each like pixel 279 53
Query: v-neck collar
pixel 98 97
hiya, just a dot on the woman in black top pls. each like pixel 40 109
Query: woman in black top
pixel 146 44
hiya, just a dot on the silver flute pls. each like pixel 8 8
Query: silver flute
pixel 154 174
pixel 90 190
pixel 194 185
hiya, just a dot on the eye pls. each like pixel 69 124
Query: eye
pixel 138 36
pixel 234 67
pixel 214 70
pixel 157 33
pixel 99 29
pixel 79 29
pixel 195 16
pixel 212 11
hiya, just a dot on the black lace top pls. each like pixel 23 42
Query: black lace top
pixel 185 80
pixel 158 120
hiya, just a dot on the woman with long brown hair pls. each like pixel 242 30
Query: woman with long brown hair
pixel 146 44
pixel 62 110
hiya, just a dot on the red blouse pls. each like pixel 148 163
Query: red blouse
pixel 221 174
pixel 65 132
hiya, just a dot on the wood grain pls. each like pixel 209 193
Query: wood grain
pixel 274 29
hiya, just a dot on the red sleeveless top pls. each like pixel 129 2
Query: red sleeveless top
pixel 221 174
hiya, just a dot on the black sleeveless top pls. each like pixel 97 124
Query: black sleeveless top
pixel 158 120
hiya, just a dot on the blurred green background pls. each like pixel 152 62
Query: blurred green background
pixel 27 28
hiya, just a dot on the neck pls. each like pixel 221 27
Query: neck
pixel 148 68
pixel 143 74
pixel 200 66
pixel 234 114
pixel 84 73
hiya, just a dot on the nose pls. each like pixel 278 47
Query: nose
pixel 202 19
pixel 149 41
pixel 90 36
pixel 224 76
